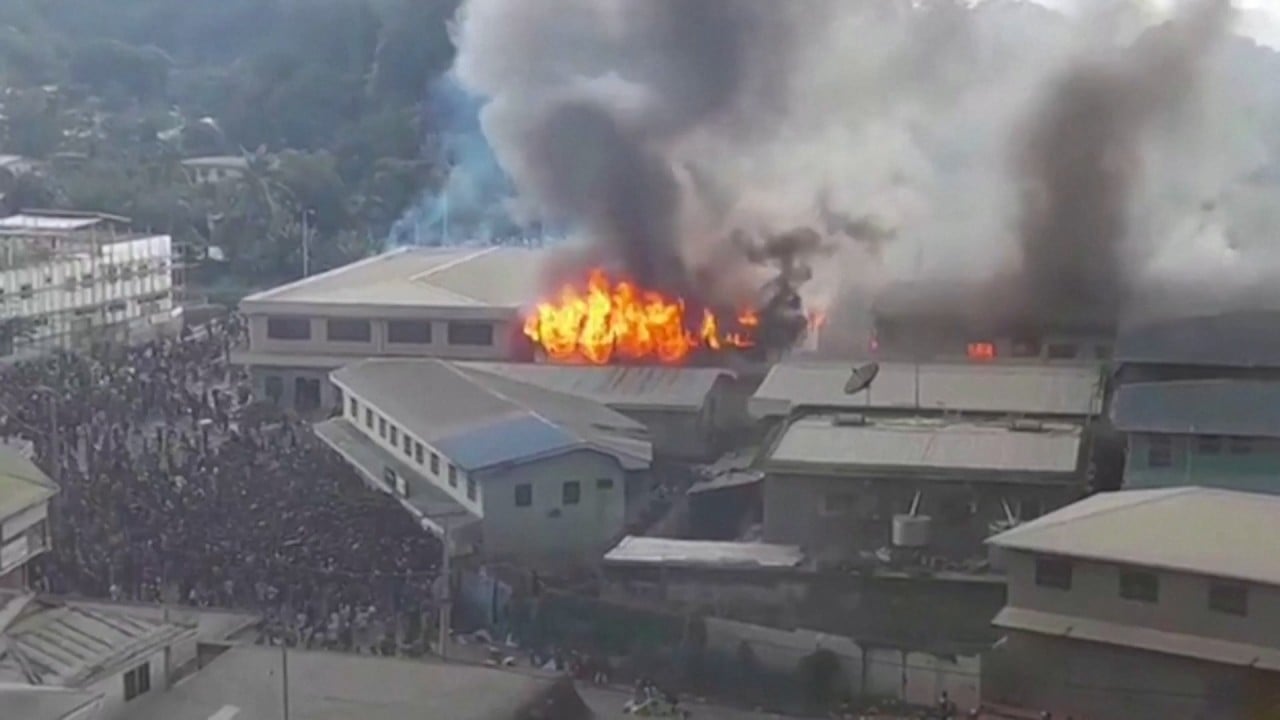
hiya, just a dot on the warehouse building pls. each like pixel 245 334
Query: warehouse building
pixel 452 303
pixel 692 413
pixel 70 280
pixel 1235 345
pixel 1142 605
pixel 25 492
pixel 510 469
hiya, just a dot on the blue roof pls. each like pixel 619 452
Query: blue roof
pixel 516 437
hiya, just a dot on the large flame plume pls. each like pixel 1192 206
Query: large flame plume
pixel 609 319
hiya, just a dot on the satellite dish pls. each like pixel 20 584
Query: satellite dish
pixel 861 377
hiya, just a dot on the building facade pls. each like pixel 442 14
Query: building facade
pixel 69 281
pixel 1143 604
pixel 505 470
pixel 459 304
pixel 25 493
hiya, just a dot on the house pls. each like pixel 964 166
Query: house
pixel 516 470
pixel 249 681
pixel 1142 605
pixel 843 485
pixel 215 169
pixel 451 303
pixel 1221 433
pixel 69 280
pixel 692 413
pixel 106 652
pixel 25 492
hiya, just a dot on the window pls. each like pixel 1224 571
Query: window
pixel 395 435
pixel 1027 346
pixel 382 427
pixel 470 333
pixel 1062 351
pixel 118 306
pixel 273 386
pixel 471 489
pixel 981 351
pixel 1053 573
pixel 289 328
pixel 137 681
pixel 408 445
pixel 355 409
pixel 1229 598
pixel 86 280
pixel 409 332
pixel 368 418
pixel 25 292
pixel 348 331
pixel 453 476
pixel 1140 586
pixel 1208 444
pixel 418 452
pixel 1241 445
pixel 524 495
pixel 435 464
pixel 571 492
pixel 604 484
pixel 1159 451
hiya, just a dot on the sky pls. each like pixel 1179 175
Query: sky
pixel 1259 19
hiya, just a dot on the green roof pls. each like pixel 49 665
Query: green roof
pixel 22 484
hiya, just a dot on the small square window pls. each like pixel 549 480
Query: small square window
pixel 435 464
pixel 1229 598
pixel 26 292
pixel 1241 446
pixel 408 445
pixel 1140 586
pixel 524 495
pixel 418 452
pixel 571 492
pixel 1159 451
pixel 355 408
pixel 453 476
pixel 382 427
pixel 395 435
pixel 368 418
pixel 604 484
pixel 1053 573
pixel 1209 445
pixel 471 489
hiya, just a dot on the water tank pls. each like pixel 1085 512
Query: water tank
pixel 911 531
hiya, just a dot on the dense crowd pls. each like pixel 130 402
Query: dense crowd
pixel 177 487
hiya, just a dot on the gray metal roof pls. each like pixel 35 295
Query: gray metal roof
pixel 1204 531
pixel 1234 339
pixel 949 387
pixel 418 277
pixel 326 686
pixel 72 645
pixel 622 387
pixel 38 702
pixel 22 484
pixel 1249 408
pixel 480 421
pixel 635 550
pixel 919 444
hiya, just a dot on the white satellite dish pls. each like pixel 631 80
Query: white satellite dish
pixel 861 377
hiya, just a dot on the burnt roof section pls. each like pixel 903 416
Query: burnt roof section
pixel 1249 339
pixel 1249 408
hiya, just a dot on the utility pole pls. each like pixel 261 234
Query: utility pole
pixel 284 677
pixel 306 244
pixel 446 595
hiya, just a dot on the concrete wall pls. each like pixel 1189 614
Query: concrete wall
pixel 288 376
pixel 1256 471
pixel 835 517
pixel 1182 607
pixel 378 346
pixel 1102 682
pixel 114 706
pixel 549 530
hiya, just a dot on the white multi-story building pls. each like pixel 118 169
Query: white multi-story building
pixel 72 279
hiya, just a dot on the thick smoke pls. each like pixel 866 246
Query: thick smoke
pixel 1083 161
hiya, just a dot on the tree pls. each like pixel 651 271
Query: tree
pixel 33 123
pixel 116 70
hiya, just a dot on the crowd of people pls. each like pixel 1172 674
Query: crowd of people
pixel 177 486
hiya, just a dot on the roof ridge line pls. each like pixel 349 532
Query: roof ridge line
pixel 1157 495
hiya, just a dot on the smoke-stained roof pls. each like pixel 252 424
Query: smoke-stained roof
pixel 622 387
pixel 823 443
pixel 1236 339
pixel 480 421
pixel 1065 390
pixel 1249 408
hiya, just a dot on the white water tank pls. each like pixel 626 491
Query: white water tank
pixel 911 531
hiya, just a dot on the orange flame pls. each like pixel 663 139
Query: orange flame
pixel 608 320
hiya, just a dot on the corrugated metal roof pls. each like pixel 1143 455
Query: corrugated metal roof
pixel 22 484
pixel 920 444
pixel 490 420
pixel 506 277
pixel 1235 339
pixel 47 223
pixel 1138 637
pixel 635 550
pixel 1249 408
pixel 952 387
pixel 627 387
pixel 75 645
pixel 1204 531
pixel 25 702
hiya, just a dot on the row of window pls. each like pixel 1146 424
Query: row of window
pixel 570 492
pixel 413 450
pixel 400 332
pixel 1142 586
pixel 1160 447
